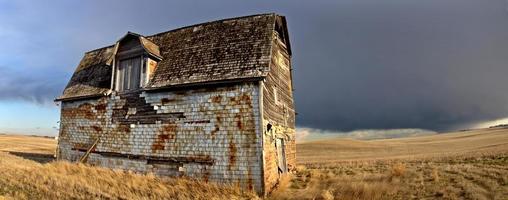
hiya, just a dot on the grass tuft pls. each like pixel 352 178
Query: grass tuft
pixel 398 169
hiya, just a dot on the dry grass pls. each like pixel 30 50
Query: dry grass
pixel 26 179
pixel 464 165
pixel 398 169
pixel 337 184
pixel 431 147
pixel 462 178
pixel 20 143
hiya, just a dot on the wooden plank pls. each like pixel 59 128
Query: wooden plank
pixel 85 157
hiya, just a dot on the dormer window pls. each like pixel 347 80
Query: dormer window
pixel 136 59
pixel 129 74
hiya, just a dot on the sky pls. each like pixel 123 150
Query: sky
pixel 433 65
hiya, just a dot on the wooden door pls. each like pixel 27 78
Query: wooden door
pixel 281 155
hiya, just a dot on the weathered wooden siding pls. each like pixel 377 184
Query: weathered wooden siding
pixel 211 134
pixel 279 112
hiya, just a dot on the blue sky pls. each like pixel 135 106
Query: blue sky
pixel 358 64
pixel 27 118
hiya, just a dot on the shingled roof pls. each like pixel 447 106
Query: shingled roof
pixel 229 49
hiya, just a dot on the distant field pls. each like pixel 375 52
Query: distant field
pixel 475 142
pixel 461 165
pixel 29 144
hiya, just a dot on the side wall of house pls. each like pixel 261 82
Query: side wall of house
pixel 211 134
pixel 278 115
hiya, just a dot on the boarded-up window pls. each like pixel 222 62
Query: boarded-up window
pixel 129 74
pixel 281 155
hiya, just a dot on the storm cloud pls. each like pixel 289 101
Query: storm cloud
pixel 37 88
pixel 358 64
pixel 403 64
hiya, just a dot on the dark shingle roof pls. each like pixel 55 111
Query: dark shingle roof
pixel 215 51
pixel 92 76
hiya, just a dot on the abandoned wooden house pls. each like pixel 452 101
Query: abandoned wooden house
pixel 211 101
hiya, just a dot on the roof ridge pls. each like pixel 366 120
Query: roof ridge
pixel 210 22
pixel 177 29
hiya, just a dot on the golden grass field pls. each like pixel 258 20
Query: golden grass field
pixel 461 165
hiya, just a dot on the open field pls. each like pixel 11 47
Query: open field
pixel 32 144
pixel 462 165
pixel 489 141
pixel 23 176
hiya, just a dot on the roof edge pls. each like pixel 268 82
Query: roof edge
pixel 93 96
pixel 210 22
pixel 101 48
pixel 198 24
pixel 205 83
pixel 171 87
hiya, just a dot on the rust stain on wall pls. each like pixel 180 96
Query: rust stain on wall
pixel 246 98
pixel 215 131
pixel 232 154
pixel 217 99
pixel 100 107
pixel 168 133
pixel 238 119
pixel 124 128
pixel 250 185
pixel 206 174
pixel 233 100
pixel 150 135
pixel 86 109
pixel 170 129
pixel 97 129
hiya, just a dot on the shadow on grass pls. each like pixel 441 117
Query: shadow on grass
pixel 37 157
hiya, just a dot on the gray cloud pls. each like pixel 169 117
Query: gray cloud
pixel 402 64
pixel 358 64
pixel 39 88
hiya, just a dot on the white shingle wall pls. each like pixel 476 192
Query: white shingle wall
pixel 220 125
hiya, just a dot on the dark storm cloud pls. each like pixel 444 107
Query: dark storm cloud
pixel 434 64
pixel 33 87
pixel 403 64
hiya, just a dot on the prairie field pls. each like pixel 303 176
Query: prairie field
pixel 461 165
pixel 28 171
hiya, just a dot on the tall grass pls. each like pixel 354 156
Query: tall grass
pixel 331 184
pixel 23 179
pixel 484 177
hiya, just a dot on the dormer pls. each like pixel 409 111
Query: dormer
pixel 135 61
